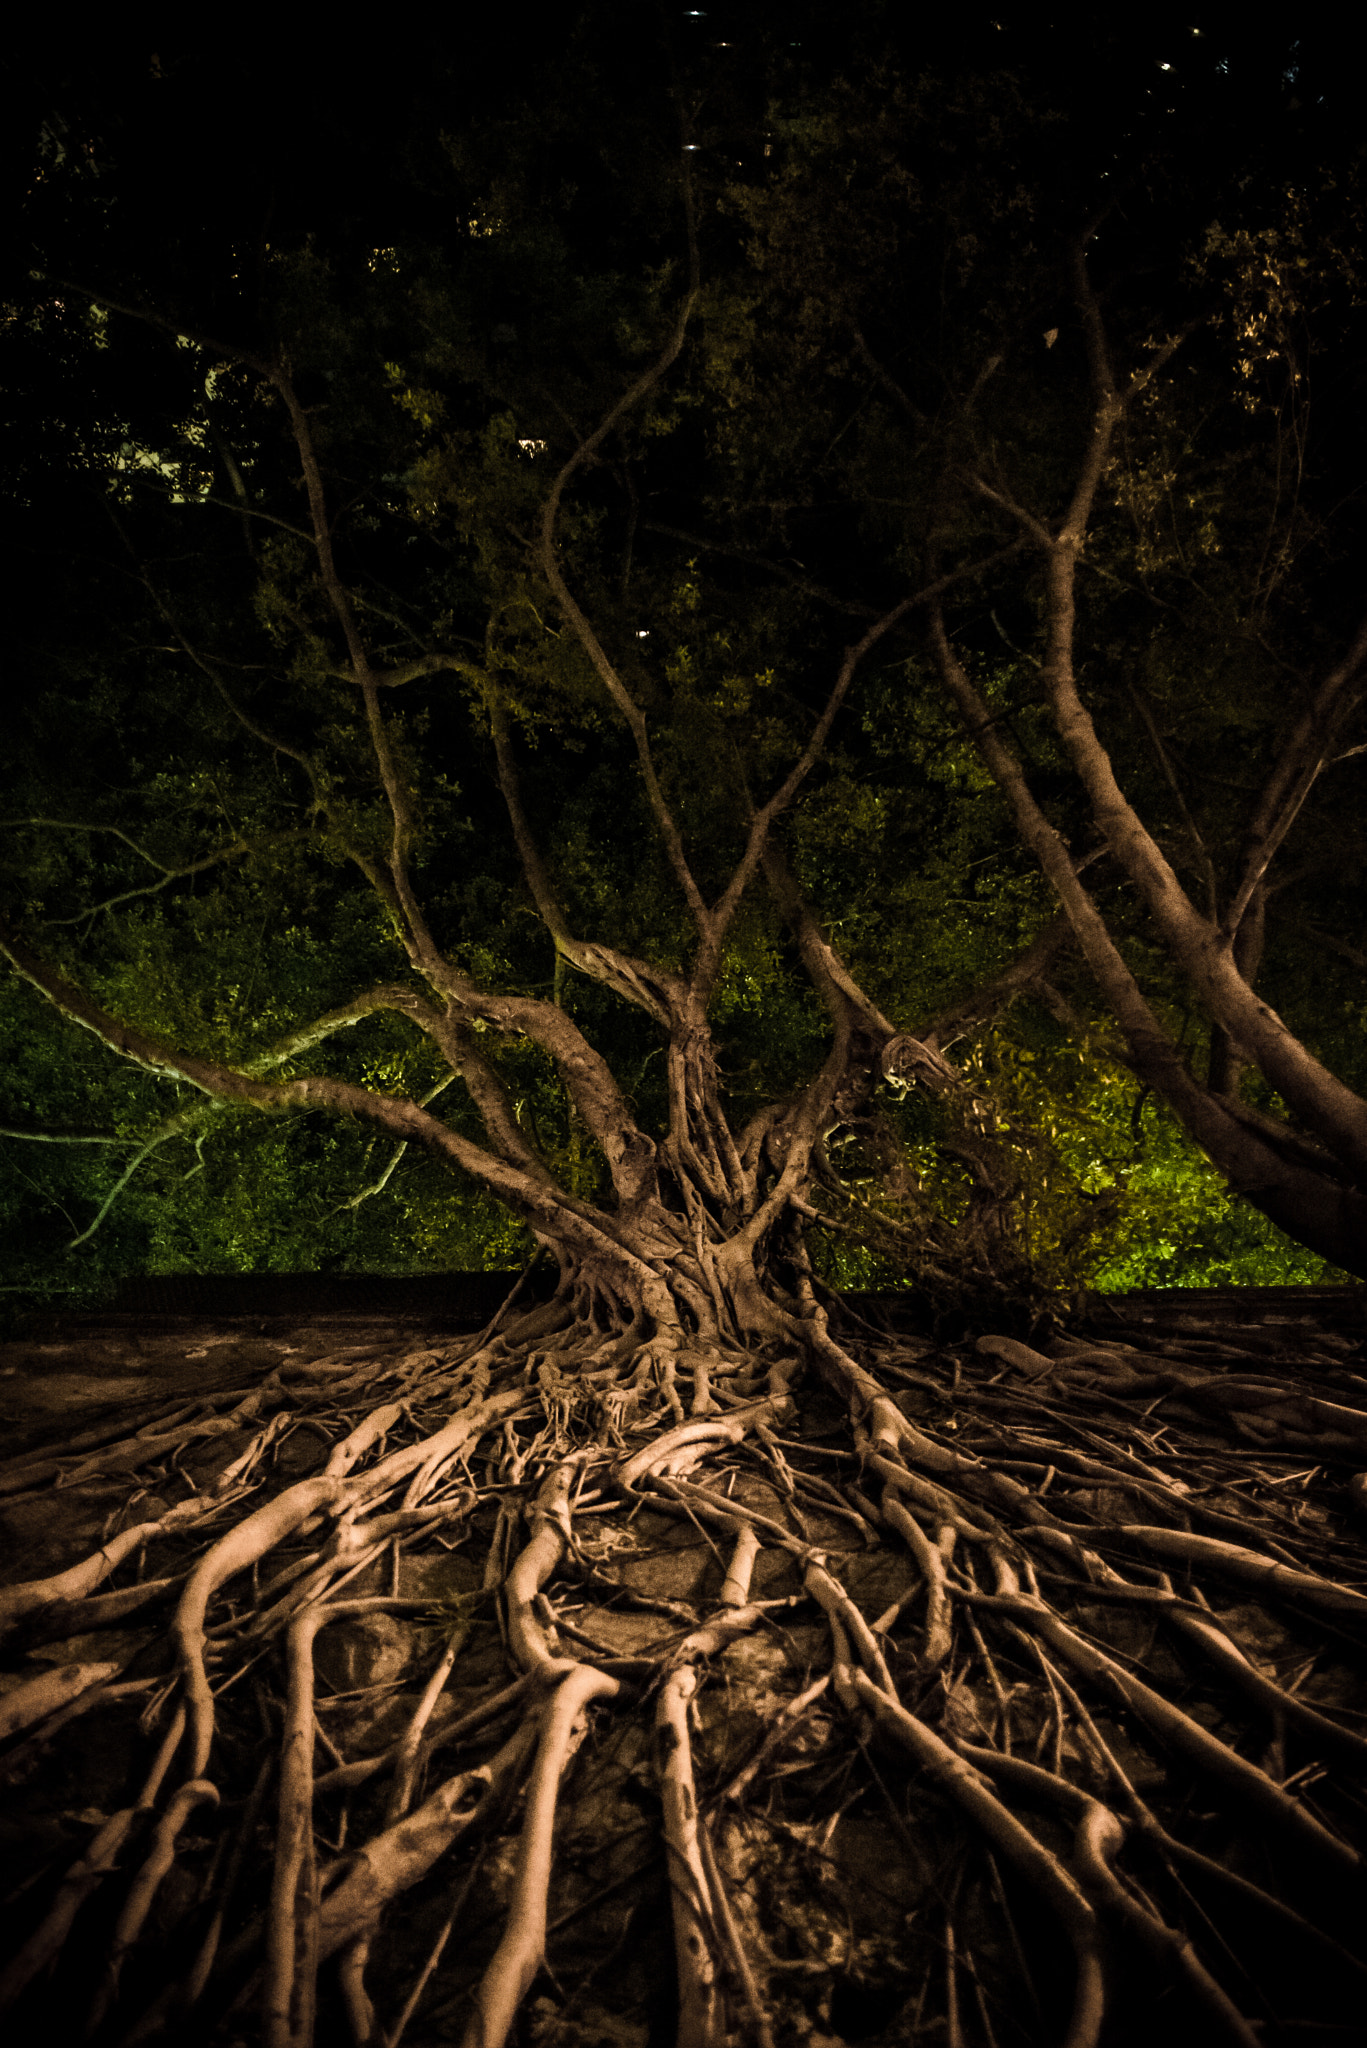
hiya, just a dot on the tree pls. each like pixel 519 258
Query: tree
pixel 1173 532
pixel 1305 1174
pixel 450 625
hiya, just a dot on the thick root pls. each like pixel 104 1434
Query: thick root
pixel 518 1956
pixel 662 1655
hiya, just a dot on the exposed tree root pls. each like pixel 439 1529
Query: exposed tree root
pixel 929 1621
pixel 1016 1843
pixel 519 1954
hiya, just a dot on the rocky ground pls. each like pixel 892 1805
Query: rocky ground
pixel 842 1862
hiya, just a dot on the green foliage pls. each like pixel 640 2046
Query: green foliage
pixel 192 788
pixel 1114 1195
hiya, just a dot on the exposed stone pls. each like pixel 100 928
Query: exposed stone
pixel 364 1650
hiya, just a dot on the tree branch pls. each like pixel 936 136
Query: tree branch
pixel 185 1120
pixel 175 1128
pixel 78 825
pixel 64 1137
pixel 423 950
pixel 534 1198
pixel 779 569
pixel 411 671
pixel 708 962
pixel 377 1187
pixel 177 328
pixel 659 994
pixel 237 852
pixel 1304 755
pixel 889 383
pixel 1334 1112
pixel 1199 847
pixel 836 986
pixel 618 694
pixel 1024 972
pixel 1156 1057
pixel 486 1090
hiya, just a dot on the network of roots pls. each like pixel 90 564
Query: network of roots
pixel 552 1688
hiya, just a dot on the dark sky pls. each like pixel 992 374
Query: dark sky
pixel 324 122
pixel 195 147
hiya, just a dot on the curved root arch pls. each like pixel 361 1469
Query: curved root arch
pixel 822 1687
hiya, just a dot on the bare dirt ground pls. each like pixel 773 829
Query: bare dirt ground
pixel 846 1886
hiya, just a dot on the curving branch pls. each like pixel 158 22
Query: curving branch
pixel 588 1079
pixel 1193 831
pixel 238 851
pixel 422 947
pixel 629 1154
pixel 413 671
pixel 533 1196
pixel 1307 750
pixel 35 1137
pixel 486 1090
pixel 175 1127
pixel 392 1164
pixel 708 963
pixel 177 329
pixel 832 980
pixel 166 491
pixel 82 825
pixel 389 996
pixel 1336 1115
pixel 1026 971
pixel 1317 1210
pixel 185 1121
pixel 651 989
pixel 1109 400
pixel 586 1075
pixel 379 881
pixel 618 694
